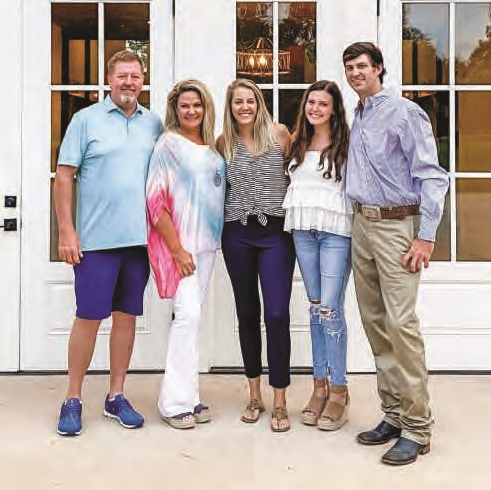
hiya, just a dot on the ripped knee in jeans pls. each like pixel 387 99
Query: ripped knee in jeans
pixel 314 310
pixel 327 313
pixel 329 319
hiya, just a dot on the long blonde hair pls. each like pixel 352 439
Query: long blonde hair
pixel 208 124
pixel 263 131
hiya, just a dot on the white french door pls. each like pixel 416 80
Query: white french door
pixel 304 41
pixel 439 55
pixel 66 45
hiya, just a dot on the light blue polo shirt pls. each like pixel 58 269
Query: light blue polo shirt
pixel 112 153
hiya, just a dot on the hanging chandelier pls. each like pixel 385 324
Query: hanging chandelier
pixel 257 59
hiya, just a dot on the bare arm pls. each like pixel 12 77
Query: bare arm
pixel 69 248
pixel 284 137
pixel 220 145
pixel 184 260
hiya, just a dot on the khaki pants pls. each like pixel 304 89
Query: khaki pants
pixel 387 294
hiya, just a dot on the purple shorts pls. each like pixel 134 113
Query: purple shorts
pixel 111 280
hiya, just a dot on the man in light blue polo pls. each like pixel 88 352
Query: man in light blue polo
pixel 107 147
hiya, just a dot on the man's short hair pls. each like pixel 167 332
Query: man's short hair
pixel 373 52
pixel 126 56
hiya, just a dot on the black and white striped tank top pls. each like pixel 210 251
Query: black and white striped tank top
pixel 255 185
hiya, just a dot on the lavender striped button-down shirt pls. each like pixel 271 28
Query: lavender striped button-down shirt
pixel 393 160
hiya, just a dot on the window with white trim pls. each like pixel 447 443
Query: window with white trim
pixel 84 35
pixel 446 68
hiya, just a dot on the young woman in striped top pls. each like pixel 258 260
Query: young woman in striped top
pixel 254 244
pixel 319 216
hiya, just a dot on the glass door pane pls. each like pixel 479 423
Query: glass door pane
pixel 127 26
pixel 74 29
pixel 76 58
pixel 297 38
pixel 425 43
pixel 473 43
pixel 255 41
pixel 277 48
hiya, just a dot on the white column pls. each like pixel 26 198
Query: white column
pixel 340 24
pixel 205 49
pixel 205 45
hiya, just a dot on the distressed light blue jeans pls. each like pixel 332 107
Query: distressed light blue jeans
pixel 325 263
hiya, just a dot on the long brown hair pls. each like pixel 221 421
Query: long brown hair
pixel 336 151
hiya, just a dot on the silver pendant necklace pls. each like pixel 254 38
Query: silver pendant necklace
pixel 217 180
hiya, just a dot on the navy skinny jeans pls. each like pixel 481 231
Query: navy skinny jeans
pixel 265 252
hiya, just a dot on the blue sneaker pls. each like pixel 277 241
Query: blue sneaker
pixel 70 423
pixel 120 409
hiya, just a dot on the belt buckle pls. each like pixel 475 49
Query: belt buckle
pixel 371 212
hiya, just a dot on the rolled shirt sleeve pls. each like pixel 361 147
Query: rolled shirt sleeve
pixel 419 146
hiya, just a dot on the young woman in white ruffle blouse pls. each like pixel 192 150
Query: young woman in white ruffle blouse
pixel 319 217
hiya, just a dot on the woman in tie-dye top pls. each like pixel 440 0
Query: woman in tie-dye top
pixel 185 196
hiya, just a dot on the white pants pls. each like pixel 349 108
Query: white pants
pixel 179 392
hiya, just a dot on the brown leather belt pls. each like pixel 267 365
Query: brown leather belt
pixel 376 213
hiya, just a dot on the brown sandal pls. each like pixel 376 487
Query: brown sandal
pixel 254 407
pixel 334 414
pixel 315 406
pixel 279 414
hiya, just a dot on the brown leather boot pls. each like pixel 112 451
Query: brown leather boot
pixel 315 405
pixel 334 414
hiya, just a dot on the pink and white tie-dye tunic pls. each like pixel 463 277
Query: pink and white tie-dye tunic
pixel 187 180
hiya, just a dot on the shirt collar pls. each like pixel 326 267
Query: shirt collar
pixel 110 106
pixel 372 100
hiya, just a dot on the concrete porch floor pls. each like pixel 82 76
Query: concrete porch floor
pixel 227 454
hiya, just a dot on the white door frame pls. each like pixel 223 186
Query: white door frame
pixel 10 184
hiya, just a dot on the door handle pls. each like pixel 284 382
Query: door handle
pixel 9 224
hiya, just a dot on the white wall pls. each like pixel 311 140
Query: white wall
pixel 205 45
pixel 350 21
pixel 205 49
pixel 10 172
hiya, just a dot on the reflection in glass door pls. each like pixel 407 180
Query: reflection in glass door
pixel 276 47
pixel 446 68
pixel 63 72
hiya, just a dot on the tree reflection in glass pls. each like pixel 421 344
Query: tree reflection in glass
pixel 425 44
pixel 473 43
pixel 297 36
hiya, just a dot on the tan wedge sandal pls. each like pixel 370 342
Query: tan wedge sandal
pixel 315 406
pixel 334 414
